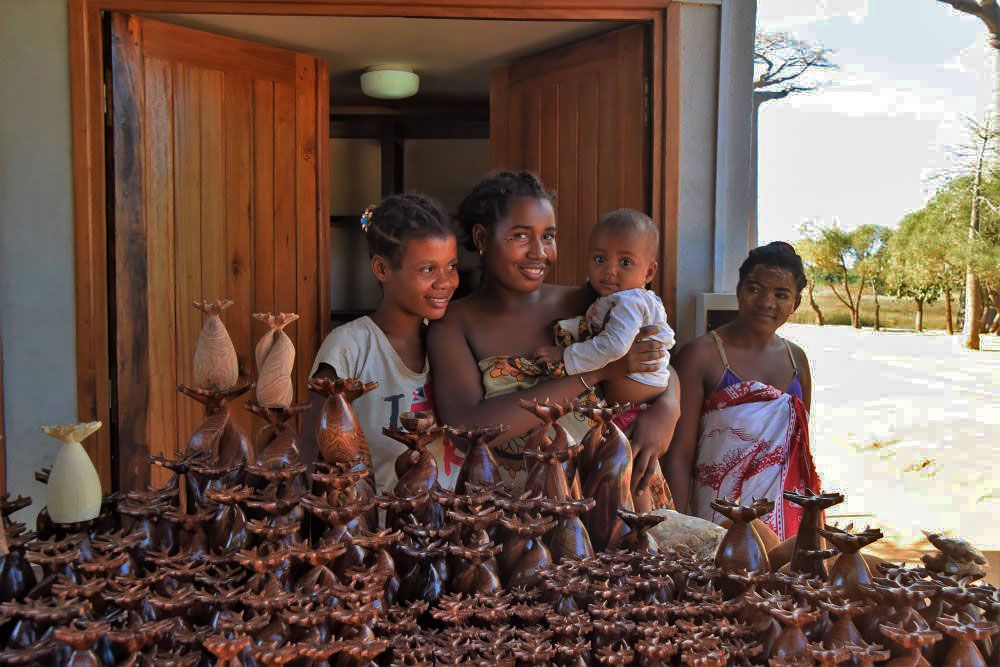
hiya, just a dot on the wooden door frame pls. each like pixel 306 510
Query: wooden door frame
pixel 87 88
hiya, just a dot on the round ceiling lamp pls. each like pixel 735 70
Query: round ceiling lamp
pixel 389 82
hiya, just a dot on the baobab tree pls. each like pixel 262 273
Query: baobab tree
pixel 781 66
pixel 988 11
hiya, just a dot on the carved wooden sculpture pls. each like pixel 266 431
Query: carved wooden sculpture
pixel 850 569
pixel 538 440
pixel 479 466
pixel 74 489
pixel 275 356
pixel 16 576
pixel 569 539
pixel 638 537
pixel 808 538
pixel 216 367
pixel 741 549
pixel 524 553
pixel 608 480
pixel 912 640
pixel 965 653
pixel 955 557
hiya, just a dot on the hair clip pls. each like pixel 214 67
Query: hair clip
pixel 366 217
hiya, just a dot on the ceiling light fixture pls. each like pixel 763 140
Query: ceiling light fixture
pixel 389 82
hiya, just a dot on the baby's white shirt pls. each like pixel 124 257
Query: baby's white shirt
pixel 613 321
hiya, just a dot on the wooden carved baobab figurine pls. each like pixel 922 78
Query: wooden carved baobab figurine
pixel 850 569
pixel 964 652
pixel 524 553
pixel 219 442
pixel 479 467
pixel 912 640
pixel 569 539
pixel 741 549
pixel 74 489
pixel 638 538
pixel 539 440
pixel 608 480
pixel 275 356
pixel 808 538
pixel 338 432
pixel 216 366
pixel 416 468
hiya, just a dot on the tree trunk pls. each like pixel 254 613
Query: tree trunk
pixel 949 325
pixel 820 320
pixel 877 323
pixel 919 323
pixel 856 317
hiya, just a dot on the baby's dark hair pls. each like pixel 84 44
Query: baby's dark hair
pixel 628 219
pixel 399 219
pixel 489 201
pixel 780 255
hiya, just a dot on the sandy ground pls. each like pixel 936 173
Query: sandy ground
pixel 908 427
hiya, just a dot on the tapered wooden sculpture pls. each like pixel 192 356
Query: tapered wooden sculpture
pixel 741 549
pixel 479 466
pixel 219 443
pixel 808 538
pixel 416 471
pixel 608 480
pixel 216 366
pixel 338 433
pixel 850 569
pixel 275 356
pixel 524 553
pixel 539 440
pixel 74 489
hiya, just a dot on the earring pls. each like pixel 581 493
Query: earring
pixel 481 252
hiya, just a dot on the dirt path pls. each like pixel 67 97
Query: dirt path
pixel 908 426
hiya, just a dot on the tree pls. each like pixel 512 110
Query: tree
pixel 783 66
pixel 809 251
pixel 878 266
pixel 846 258
pixel 988 11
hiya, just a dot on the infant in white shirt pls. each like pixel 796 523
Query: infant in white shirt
pixel 623 249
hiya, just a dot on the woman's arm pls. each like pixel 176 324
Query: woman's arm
pixel 458 389
pixel 652 433
pixel 679 460
pixel 805 375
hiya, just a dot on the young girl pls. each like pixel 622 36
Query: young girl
pixel 414 255
pixel 622 261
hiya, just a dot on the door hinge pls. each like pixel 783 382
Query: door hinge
pixel 645 101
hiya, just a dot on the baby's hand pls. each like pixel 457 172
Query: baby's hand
pixel 550 354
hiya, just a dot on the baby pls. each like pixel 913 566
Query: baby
pixel 623 248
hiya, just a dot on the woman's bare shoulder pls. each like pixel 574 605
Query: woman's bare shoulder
pixel 696 352
pixel 572 298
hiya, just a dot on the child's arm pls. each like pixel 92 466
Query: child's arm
pixel 551 354
pixel 624 322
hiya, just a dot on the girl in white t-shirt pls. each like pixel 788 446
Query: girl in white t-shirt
pixel 414 255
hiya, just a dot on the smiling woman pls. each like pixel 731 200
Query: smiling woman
pixel 745 400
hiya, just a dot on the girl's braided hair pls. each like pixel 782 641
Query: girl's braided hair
pixel 489 201
pixel 399 219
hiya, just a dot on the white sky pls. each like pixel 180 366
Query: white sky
pixel 859 151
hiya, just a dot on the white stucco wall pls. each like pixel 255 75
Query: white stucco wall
pixel 36 236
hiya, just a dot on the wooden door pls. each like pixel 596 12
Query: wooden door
pixel 219 190
pixel 579 118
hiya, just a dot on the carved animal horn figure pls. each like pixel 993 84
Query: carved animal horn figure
pixel 608 480
pixel 73 489
pixel 479 467
pixel 275 356
pixel 808 537
pixel 216 366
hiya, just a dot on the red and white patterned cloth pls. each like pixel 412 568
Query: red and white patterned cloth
pixel 754 443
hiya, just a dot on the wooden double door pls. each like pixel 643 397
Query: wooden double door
pixel 218 155
pixel 218 188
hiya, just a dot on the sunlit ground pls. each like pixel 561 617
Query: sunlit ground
pixel 908 427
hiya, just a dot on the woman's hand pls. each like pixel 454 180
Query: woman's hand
pixel 652 432
pixel 638 359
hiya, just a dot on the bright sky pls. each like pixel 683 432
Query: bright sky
pixel 860 150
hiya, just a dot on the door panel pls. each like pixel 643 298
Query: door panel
pixel 217 193
pixel 578 118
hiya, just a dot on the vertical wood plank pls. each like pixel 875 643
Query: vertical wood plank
pixel 533 134
pixel 263 200
pixel 159 205
pixel 572 256
pixel 187 236
pixel 238 259
pixel 130 270
pixel 213 191
pixel 284 200
pixel 632 156
pixel 548 156
pixel 323 202
pixel 306 212
pixel 671 161
pixel 517 130
pixel 587 167
pixel 609 148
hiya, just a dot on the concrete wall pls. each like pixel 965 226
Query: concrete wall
pixel 36 236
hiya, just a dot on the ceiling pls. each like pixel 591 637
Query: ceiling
pixel 452 56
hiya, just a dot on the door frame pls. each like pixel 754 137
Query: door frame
pixel 88 90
